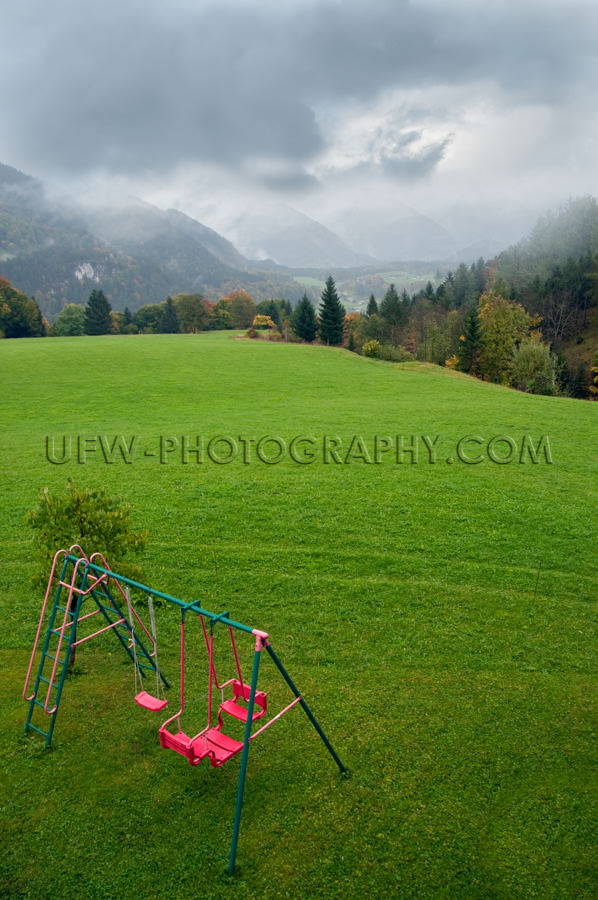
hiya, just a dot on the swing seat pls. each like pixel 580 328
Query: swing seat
pixel 180 743
pixel 149 702
pixel 213 744
pixel 241 694
pixel 217 746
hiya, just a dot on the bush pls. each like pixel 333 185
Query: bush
pixel 533 368
pixel 88 517
pixel 594 376
pixel 371 349
pixel 394 354
pixel 386 351
pixel 252 333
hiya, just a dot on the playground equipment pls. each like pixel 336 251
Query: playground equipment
pixel 79 580
pixel 90 580
pixel 211 742
pixel 142 697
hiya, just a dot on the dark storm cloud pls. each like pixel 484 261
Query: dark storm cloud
pixel 414 165
pixel 129 85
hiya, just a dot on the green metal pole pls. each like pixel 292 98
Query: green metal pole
pixel 243 769
pixel 195 606
pixel 308 711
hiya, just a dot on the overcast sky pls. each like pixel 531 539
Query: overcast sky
pixel 324 104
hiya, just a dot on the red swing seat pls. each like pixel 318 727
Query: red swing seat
pixel 149 702
pixel 241 693
pixel 218 747
pixel 211 742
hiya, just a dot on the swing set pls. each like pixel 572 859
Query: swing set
pixel 77 580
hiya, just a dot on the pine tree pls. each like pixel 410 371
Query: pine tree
pixel 97 314
pixel 394 312
pixel 468 353
pixel 372 309
pixel 331 315
pixel 303 320
pixel 170 320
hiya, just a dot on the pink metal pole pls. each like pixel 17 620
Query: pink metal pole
pixel 80 619
pixel 67 610
pixel 95 634
pixel 211 659
pixel 39 627
pixel 178 714
pixel 275 718
pixel 232 637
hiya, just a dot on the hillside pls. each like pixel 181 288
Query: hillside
pixel 437 615
pixel 58 251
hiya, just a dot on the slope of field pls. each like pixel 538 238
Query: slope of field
pixel 439 615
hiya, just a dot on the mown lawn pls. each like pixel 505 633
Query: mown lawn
pixel 439 616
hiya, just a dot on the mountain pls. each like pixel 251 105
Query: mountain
pixel 288 237
pixel 395 236
pixel 59 250
pixel 139 226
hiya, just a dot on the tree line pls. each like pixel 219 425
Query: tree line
pixel 506 320
pixel 191 313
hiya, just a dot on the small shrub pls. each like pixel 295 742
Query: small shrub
pixel 394 354
pixel 371 349
pixel 262 321
pixel 88 517
pixel 252 333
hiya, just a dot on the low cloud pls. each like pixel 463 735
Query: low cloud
pixel 267 91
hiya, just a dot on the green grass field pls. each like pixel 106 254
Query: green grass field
pixel 439 616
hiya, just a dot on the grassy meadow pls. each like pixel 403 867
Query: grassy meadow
pixel 439 617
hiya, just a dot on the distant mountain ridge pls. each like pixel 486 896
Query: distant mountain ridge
pixel 291 239
pixel 58 251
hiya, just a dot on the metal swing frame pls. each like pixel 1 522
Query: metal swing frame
pixel 86 569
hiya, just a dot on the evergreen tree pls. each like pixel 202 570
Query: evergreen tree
pixel 331 314
pixel 372 309
pixel 394 312
pixel 303 320
pixel 468 353
pixel 429 291
pixel 578 383
pixel 170 320
pixel 97 314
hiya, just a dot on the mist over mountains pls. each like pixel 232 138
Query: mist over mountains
pixel 57 248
